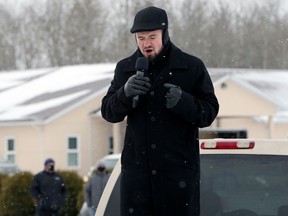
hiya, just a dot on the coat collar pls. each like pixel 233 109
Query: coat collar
pixel 177 60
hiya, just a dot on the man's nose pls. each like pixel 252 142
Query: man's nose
pixel 146 42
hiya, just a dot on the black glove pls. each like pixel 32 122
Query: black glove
pixel 136 85
pixel 173 95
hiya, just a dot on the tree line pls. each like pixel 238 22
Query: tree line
pixel 56 33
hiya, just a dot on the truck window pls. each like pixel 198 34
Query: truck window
pixel 258 183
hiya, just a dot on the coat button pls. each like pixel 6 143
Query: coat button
pixel 153 146
pixel 154 172
pixel 153 119
pixel 152 93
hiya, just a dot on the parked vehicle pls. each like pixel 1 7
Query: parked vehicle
pixel 7 167
pixel 238 177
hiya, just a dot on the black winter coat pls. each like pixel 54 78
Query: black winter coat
pixel 49 191
pixel 160 160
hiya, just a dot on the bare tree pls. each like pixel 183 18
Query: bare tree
pixel 7 48
pixel 190 27
pixel 29 40
pixel 91 31
pixel 83 32
pixel 221 39
pixel 119 21
pixel 53 23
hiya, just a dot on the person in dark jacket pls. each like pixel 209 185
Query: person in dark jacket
pixel 48 189
pixel 95 187
pixel 160 171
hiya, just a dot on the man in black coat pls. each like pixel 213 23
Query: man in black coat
pixel 48 189
pixel 160 160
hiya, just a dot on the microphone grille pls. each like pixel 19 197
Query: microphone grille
pixel 142 64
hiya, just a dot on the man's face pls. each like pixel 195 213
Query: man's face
pixel 150 43
pixel 49 167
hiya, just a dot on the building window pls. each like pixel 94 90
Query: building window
pixel 73 151
pixel 10 150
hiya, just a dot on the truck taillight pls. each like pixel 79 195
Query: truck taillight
pixel 227 144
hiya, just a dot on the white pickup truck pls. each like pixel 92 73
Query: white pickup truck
pixel 239 177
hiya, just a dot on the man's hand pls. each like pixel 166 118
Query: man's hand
pixel 136 85
pixel 173 95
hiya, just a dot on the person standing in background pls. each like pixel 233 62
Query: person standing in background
pixel 48 189
pixel 160 173
pixel 95 187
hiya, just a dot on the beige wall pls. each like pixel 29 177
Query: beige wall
pixel 78 123
pixel 37 142
pixel 101 133
pixel 28 145
pixel 236 100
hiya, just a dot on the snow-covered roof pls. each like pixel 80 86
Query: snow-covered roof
pixel 14 78
pixel 44 94
pixel 41 94
pixel 268 84
pixel 272 86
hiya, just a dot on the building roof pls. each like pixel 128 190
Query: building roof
pixel 268 84
pixel 41 95
pixel 44 94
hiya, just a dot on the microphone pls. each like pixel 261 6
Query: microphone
pixel 141 67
